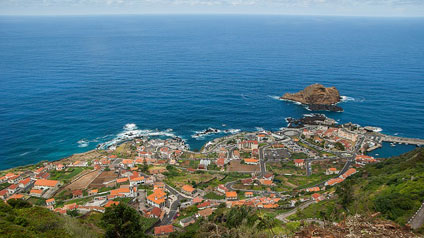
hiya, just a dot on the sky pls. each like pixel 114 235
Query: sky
pixel 385 8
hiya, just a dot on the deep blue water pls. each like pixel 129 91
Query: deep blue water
pixel 387 150
pixel 64 79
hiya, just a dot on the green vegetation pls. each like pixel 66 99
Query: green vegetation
pixel 325 210
pixel 237 222
pixel 393 187
pixel 4 185
pixel 212 155
pixel 123 200
pixel 339 146
pixel 245 154
pixel 37 201
pixel 122 221
pixel 298 156
pixel 20 219
pixel 212 195
pixel 187 212
pixel 65 175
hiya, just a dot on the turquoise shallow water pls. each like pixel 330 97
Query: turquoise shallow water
pixel 69 83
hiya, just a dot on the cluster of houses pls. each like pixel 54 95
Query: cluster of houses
pixel 341 178
pixel 35 183
pixel 270 201
pixel 331 136
pixel 364 159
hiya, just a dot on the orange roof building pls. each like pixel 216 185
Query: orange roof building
pixel 299 162
pixel 231 195
pixel 188 189
pixel 162 230
pixel 251 161
pixel 121 180
pixel 45 183
pixel 16 196
pixel 157 198
pixel 111 203
pixel 50 202
pixel 36 192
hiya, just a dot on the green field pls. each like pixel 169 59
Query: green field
pixel 66 175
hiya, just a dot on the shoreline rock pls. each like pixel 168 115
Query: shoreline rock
pixel 324 107
pixel 317 98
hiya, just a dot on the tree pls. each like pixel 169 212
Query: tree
pixel 19 203
pixel 344 191
pixel 122 221
pixel 339 146
pixel 72 213
pixel 145 167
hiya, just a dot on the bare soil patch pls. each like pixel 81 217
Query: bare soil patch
pixel 83 182
pixel 105 176
pixel 237 166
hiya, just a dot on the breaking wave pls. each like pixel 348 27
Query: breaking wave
pixel 131 131
pixel 209 131
pixel 275 97
pixel 351 99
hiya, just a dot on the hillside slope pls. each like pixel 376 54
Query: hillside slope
pixel 394 188
pixel 40 222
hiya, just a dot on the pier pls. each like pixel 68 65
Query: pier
pixel 402 140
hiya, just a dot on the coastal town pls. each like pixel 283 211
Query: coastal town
pixel 171 186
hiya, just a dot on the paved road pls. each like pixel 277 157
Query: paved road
pixel 417 220
pixel 168 218
pixel 262 159
pixel 283 216
pixel 308 168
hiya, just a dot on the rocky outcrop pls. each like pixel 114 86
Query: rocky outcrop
pixel 317 98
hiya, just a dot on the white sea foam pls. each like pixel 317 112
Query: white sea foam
pixel 346 98
pixel 132 131
pixel 378 129
pixel 83 143
pixel 351 99
pixel 259 128
pixel 234 131
pixel 130 127
pixel 275 97
pixel 204 133
pixel 25 153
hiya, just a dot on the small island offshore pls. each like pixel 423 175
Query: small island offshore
pixel 312 178
pixel 317 98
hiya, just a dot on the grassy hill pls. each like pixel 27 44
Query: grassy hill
pixel 393 187
pixel 40 222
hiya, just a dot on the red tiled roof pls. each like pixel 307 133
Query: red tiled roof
pixel 25 181
pixel 188 188
pixel 46 183
pixel 164 229
pixel 156 211
pixel 231 194
pixel 112 203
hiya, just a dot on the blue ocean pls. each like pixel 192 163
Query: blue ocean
pixel 70 83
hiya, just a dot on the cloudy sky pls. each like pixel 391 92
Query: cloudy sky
pixel 287 7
